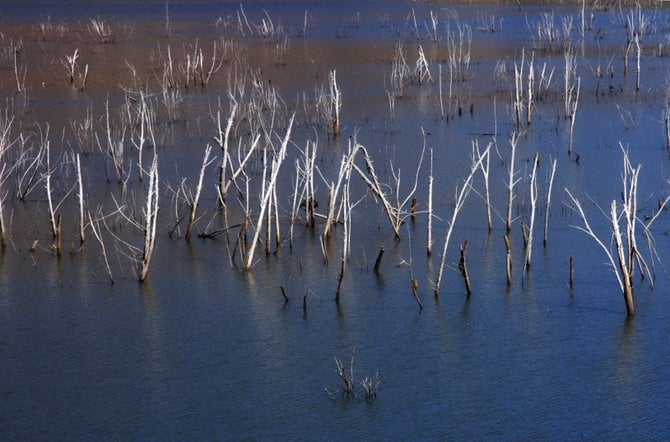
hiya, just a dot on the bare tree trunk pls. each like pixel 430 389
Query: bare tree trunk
pixel 625 276
pixel 460 200
pixel 546 213
pixel 95 228
pixel 529 98
pixel 518 91
pixel 638 70
pixel 333 195
pixel 508 260
pixel 345 239
pixel 533 209
pixel 621 271
pixel 340 278
pixel 222 140
pixel 267 194
pixel 198 190
pixel 512 180
pixel 277 227
pixel 430 206
pixel 439 66
pixel 82 220
pixel 53 216
pixel 573 115
pixel 151 220
pixel 378 261
pixel 463 267
pixel 3 232
pixel 336 101
pixel 484 168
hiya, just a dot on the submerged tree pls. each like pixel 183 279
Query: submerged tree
pixel 150 220
pixel 623 222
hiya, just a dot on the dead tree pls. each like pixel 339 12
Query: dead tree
pixel 150 220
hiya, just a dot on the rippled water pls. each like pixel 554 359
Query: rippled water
pixel 204 350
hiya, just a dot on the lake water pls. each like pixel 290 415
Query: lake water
pixel 206 350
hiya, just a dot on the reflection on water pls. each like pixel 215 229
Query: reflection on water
pixel 206 350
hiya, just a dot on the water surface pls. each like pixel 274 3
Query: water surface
pixel 205 350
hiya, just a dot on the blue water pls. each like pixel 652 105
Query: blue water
pixel 203 353
pixel 205 350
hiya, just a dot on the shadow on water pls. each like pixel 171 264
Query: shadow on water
pixel 154 332
pixel 466 309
